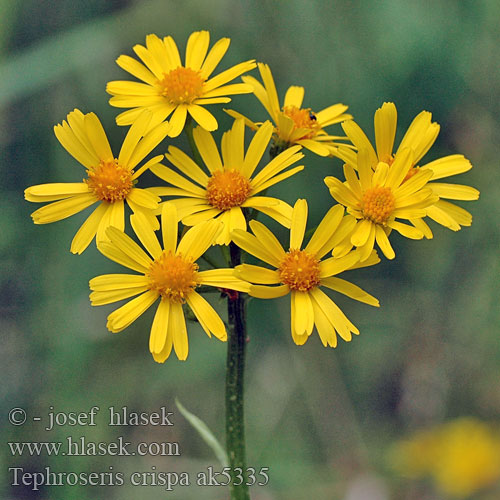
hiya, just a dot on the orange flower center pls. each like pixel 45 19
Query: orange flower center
pixel 299 270
pixel 378 204
pixel 173 276
pixel 110 181
pixel 227 189
pixel 303 118
pixel 182 85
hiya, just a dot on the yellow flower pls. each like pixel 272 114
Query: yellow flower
pixel 462 456
pixel 294 124
pixel 377 198
pixel 230 184
pixel 171 87
pixel 170 274
pixel 420 136
pixel 110 180
pixel 302 273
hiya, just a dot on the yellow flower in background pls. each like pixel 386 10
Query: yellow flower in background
pixel 170 274
pixel 376 198
pixel 230 184
pixel 293 123
pixel 420 136
pixel 168 86
pixel 461 456
pixel 302 273
pixel 111 181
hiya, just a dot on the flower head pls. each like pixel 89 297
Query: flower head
pixel 419 137
pixel 230 184
pixel 294 124
pixel 110 180
pixel 170 274
pixel 168 86
pixel 376 198
pixel 462 456
pixel 301 273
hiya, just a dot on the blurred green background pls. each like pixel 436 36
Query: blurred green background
pixel 322 420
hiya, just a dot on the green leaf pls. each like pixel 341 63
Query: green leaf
pixel 205 433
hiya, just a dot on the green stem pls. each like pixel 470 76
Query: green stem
pixel 235 367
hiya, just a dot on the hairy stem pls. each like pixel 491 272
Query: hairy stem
pixel 235 368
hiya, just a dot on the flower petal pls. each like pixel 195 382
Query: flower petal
pixel 359 139
pixel 135 68
pixel 294 96
pixel 448 166
pixel 143 198
pixel 361 233
pixel 54 191
pixel 148 143
pixel 326 330
pixel 169 226
pixel 268 292
pixel 341 192
pixel 209 320
pixel 186 165
pixel 303 314
pixel 198 239
pixel 324 231
pixel 349 289
pixel 125 315
pixel 335 265
pixel 214 57
pixel 102 298
pixel 454 191
pixel 299 221
pixel 420 135
pixel 172 177
pixel 406 230
pixel 338 319
pixel 159 328
pixel 196 49
pixel 97 136
pixel 128 246
pixel 202 117
pixel 385 130
pixel 179 331
pixel 383 243
pixel 267 238
pixel 62 209
pixel 112 282
pixel 228 75
pixel 257 274
pixel 88 230
pixel 178 120
pixel 208 149
pixel 146 234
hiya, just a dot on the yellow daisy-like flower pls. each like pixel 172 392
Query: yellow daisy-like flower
pixel 170 87
pixel 294 124
pixel 302 273
pixel 420 136
pixel 170 274
pixel 462 456
pixel 230 184
pixel 377 198
pixel 110 180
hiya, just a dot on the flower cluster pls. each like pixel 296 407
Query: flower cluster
pixel 217 191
